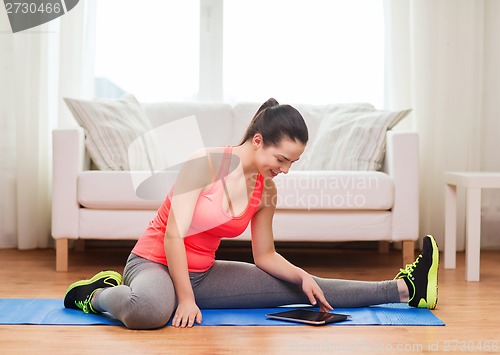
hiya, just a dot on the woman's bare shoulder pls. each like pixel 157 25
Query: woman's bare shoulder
pixel 269 193
pixel 214 157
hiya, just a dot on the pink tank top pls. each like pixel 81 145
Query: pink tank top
pixel 209 225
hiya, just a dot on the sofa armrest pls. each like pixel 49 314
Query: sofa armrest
pixel 402 164
pixel 68 160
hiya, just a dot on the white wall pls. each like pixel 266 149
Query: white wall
pixel 490 144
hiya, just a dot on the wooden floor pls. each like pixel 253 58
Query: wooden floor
pixel 470 310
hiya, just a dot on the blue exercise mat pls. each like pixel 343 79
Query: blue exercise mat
pixel 52 312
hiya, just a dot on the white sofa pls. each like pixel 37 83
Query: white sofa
pixel 312 205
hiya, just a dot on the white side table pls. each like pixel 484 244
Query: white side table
pixel 473 182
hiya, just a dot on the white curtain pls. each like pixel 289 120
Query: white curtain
pixel 37 67
pixel 442 61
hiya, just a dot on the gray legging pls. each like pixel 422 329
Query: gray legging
pixel 146 300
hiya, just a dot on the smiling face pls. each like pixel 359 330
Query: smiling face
pixel 274 159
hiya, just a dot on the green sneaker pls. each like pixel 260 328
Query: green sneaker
pixel 421 277
pixel 79 293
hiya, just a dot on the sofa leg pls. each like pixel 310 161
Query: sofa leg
pixel 62 255
pixel 408 252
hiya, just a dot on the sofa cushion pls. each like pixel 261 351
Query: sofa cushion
pixel 334 190
pixel 123 190
pixel 350 138
pixel 110 128
pixel 298 190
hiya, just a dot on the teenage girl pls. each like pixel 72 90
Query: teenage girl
pixel 172 272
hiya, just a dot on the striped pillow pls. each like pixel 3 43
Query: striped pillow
pixel 110 127
pixel 351 139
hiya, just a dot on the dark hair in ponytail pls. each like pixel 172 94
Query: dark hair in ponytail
pixel 275 122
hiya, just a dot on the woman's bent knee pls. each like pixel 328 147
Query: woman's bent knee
pixel 146 318
pixel 148 314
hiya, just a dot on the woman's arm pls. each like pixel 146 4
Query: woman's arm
pixel 266 257
pixel 187 311
pixel 193 176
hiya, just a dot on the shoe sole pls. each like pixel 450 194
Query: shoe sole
pixel 103 274
pixel 432 276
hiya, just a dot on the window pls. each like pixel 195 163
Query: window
pixel 149 48
pixel 316 51
pixel 299 51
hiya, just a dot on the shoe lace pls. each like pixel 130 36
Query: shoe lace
pixel 408 270
pixel 83 305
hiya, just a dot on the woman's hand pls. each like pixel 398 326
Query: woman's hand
pixel 315 293
pixel 186 314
